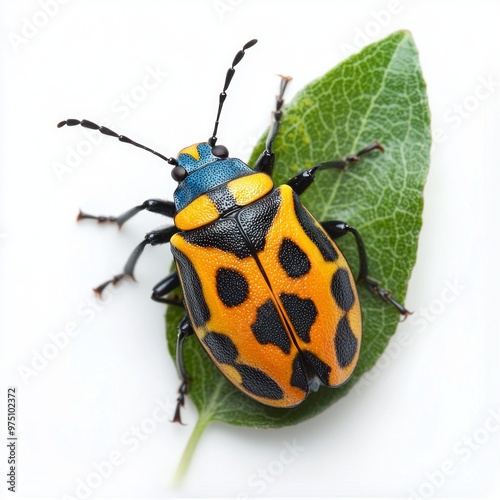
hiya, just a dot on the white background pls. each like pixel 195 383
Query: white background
pixel 421 423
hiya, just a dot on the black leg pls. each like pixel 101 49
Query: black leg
pixel 164 287
pixel 71 122
pixel 166 208
pixel 184 330
pixel 304 179
pixel 265 161
pixel 336 229
pixel 153 238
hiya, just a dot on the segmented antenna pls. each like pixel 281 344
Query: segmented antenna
pixel 106 131
pixel 229 76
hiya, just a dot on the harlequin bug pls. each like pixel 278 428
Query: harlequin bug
pixel 266 290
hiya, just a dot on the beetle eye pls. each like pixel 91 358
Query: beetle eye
pixel 220 151
pixel 179 173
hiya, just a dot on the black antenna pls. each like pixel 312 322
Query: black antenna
pixel 229 76
pixel 106 131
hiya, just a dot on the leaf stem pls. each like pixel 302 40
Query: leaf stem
pixel 183 466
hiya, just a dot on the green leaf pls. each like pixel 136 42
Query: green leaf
pixel 378 94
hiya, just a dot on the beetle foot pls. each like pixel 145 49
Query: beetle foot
pixel 99 218
pixel 113 281
pixel 386 296
pixel 183 389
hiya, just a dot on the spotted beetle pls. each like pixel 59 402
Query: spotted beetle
pixel 266 290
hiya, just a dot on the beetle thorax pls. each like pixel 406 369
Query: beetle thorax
pixel 214 186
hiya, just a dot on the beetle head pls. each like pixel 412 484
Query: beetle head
pixel 202 167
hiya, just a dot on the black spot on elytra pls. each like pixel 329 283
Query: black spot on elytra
pixel 253 379
pixel 341 289
pixel 232 287
pixel 302 314
pixel 223 234
pixel 258 382
pixel 222 347
pixel 293 259
pixel 345 342
pixel 193 291
pixel 315 234
pixel 268 327
pixel 321 369
pixel 299 375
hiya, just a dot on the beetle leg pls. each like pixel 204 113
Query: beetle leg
pixel 184 330
pixel 336 229
pixel 164 287
pixel 162 207
pixel 304 179
pixel 157 237
pixel 265 161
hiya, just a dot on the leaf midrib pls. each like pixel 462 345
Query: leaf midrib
pixel 364 122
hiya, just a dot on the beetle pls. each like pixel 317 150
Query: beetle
pixel 266 289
